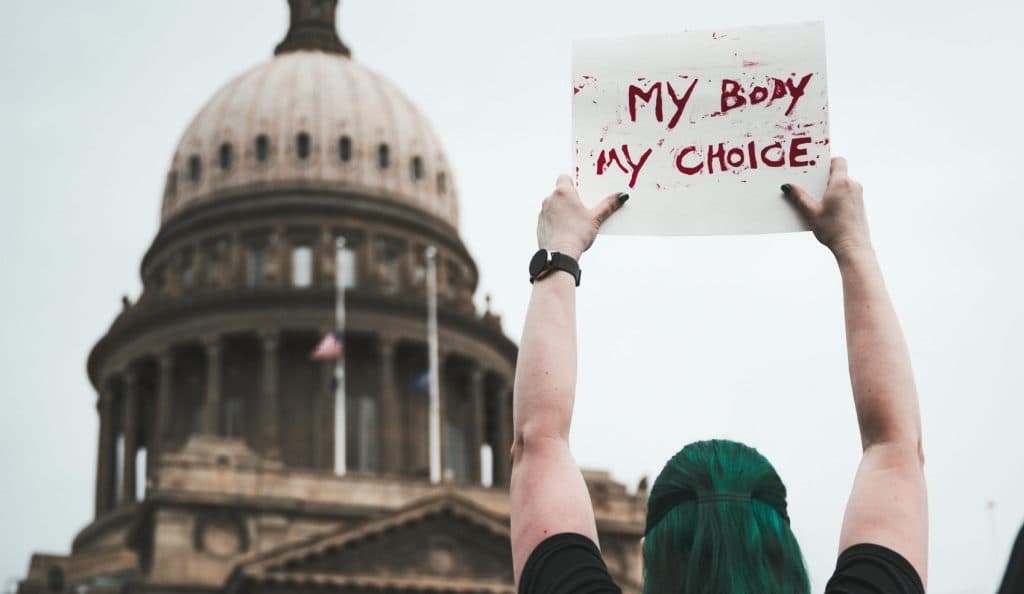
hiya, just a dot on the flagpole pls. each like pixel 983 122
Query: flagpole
pixel 339 362
pixel 432 348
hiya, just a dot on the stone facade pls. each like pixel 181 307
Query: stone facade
pixel 215 461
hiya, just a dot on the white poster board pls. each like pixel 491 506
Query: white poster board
pixel 702 128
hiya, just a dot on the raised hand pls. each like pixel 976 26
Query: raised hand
pixel 566 225
pixel 838 219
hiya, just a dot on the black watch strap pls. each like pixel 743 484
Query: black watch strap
pixel 544 262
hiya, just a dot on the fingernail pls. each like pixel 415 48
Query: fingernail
pixel 786 189
pixel 623 197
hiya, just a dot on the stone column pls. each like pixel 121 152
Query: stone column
pixel 271 445
pixel 212 402
pixel 165 363
pixel 131 432
pixel 502 450
pixel 105 456
pixel 389 430
pixel 476 430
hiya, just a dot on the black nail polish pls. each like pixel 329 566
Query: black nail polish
pixel 623 197
pixel 786 189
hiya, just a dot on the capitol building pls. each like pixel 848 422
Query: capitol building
pixel 217 465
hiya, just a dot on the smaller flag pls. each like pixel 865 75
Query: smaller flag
pixel 330 347
pixel 422 383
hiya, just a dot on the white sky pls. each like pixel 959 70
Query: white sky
pixel 682 338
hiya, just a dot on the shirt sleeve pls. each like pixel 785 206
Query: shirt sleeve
pixel 566 563
pixel 873 569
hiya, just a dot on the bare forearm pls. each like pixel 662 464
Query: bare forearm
pixel 546 369
pixel 880 370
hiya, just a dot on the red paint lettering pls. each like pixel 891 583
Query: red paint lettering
pixel 679 102
pixel 716 154
pixel 753 154
pixel 651 94
pixel 758 95
pixel 773 162
pixel 734 157
pixel 610 157
pixel 797 150
pixel 796 91
pixel 688 169
pixel 731 97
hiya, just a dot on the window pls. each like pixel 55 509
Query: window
pixel 262 148
pixel 233 417
pixel 141 465
pixel 362 432
pixel 317 10
pixel 227 154
pixel 417 168
pixel 442 183
pixel 188 275
pixel 348 268
pixel 456 465
pixel 387 261
pixel 383 156
pixel 302 145
pixel 345 149
pixel 256 267
pixel 195 168
pixel 302 266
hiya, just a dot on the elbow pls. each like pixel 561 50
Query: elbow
pixel 531 436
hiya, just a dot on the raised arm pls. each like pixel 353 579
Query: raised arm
pixel 888 505
pixel 548 494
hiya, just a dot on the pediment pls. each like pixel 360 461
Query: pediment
pixel 439 543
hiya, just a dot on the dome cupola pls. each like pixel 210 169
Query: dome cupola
pixel 311 118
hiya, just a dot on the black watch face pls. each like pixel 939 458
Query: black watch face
pixel 538 263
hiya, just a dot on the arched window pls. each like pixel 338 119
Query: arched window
pixel 345 149
pixel 195 168
pixel 317 9
pixel 442 183
pixel 383 156
pixel 302 145
pixel 417 168
pixel 262 148
pixel 227 155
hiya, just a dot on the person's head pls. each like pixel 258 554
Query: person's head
pixel 717 523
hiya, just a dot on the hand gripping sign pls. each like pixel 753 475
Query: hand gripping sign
pixel 702 128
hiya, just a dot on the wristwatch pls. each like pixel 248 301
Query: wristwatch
pixel 544 262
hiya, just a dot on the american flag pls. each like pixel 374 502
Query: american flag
pixel 330 347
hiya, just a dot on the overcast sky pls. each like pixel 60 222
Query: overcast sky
pixel 681 338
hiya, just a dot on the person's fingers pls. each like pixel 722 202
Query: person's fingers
pixel 608 206
pixel 799 197
pixel 564 183
pixel 838 167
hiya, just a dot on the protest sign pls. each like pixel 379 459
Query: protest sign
pixel 702 128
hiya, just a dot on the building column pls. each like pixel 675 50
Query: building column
pixel 389 430
pixel 165 363
pixel 212 402
pixel 105 456
pixel 503 449
pixel 271 445
pixel 476 435
pixel 131 432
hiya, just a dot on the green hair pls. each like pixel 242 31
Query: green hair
pixel 717 524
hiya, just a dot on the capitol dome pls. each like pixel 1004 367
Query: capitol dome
pixel 311 118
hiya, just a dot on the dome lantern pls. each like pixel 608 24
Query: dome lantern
pixel 312 28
